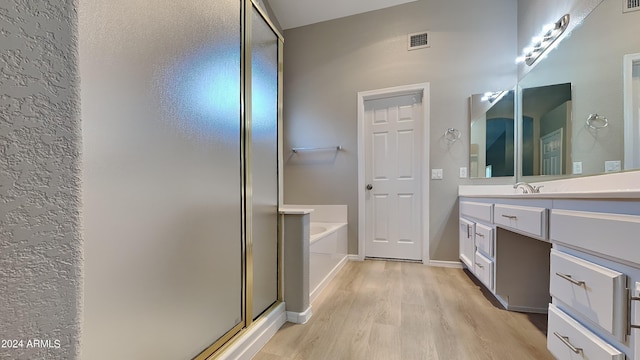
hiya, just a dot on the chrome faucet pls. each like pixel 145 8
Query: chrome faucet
pixel 527 188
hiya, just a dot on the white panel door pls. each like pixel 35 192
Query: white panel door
pixel 393 138
pixel 551 153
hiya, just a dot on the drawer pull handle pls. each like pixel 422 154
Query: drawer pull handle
pixel 565 340
pixel 570 279
pixel 512 217
pixel 481 235
pixel 480 265
pixel 632 326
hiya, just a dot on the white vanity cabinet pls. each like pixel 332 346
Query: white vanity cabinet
pixel 477 240
pixel 494 249
pixel 584 243
pixel 595 279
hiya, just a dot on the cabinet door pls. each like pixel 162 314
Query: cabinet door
pixel 467 239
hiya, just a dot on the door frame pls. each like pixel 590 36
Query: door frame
pixel 421 88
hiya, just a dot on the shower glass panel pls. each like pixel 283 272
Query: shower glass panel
pixel 264 163
pixel 162 184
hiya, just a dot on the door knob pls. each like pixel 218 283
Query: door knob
pixel 369 187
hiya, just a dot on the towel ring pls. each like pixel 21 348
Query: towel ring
pixel 452 134
pixel 595 121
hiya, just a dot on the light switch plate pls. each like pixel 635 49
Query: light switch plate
pixel 463 172
pixel 436 174
pixel 577 167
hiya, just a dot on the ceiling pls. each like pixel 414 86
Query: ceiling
pixel 295 13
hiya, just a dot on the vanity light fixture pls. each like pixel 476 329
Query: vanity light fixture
pixel 492 96
pixel 540 44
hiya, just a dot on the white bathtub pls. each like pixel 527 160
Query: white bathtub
pixel 327 244
pixel 327 254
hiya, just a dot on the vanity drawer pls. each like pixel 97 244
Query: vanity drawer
pixel 484 239
pixel 595 292
pixel 483 268
pixel 567 339
pixel 480 211
pixel 524 219
pixel 613 234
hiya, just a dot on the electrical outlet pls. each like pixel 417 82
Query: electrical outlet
pixel 463 172
pixel 612 166
pixel 436 174
pixel 577 167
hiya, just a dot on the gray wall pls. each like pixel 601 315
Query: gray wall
pixel 473 47
pixel 40 244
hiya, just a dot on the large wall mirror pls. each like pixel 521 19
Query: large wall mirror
pixel 492 135
pixel 546 130
pixel 575 119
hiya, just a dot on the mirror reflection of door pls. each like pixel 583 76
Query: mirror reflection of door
pixel 551 153
pixel 546 121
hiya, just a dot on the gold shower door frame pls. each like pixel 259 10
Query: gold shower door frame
pixel 246 173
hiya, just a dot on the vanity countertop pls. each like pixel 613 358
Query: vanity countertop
pixel 623 185
pixel 608 194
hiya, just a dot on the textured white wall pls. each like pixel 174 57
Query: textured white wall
pixel 40 246
pixel 472 51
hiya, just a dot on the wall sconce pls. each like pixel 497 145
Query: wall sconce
pixel 540 44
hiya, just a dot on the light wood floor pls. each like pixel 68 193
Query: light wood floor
pixel 398 310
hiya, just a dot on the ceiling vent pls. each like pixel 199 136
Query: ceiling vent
pixel 630 5
pixel 421 40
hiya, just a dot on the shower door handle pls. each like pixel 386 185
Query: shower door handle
pixel 369 187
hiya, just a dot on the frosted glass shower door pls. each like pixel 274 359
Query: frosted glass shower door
pixel 162 177
pixel 264 163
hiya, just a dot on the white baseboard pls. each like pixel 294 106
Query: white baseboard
pixel 355 257
pixel 447 264
pixel 299 317
pixel 327 279
pixel 250 343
